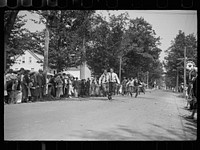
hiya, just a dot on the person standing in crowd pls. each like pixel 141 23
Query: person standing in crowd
pixel 136 84
pixel 65 87
pixel 53 87
pixel 124 86
pixel 50 86
pixel 104 82
pixel 25 83
pixel 88 87
pixel 113 80
pixel 76 86
pixel 83 88
pixel 70 82
pixel 59 84
pixel 41 82
pixel 93 87
pixel 97 87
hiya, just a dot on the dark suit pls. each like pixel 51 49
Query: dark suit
pixel 136 84
pixel 41 83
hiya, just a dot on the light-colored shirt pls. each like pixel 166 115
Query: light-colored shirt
pixel 113 77
pixel 104 78
pixel 130 83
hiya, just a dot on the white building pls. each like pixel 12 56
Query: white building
pixel 76 72
pixel 33 62
pixel 29 61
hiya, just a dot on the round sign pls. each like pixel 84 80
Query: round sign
pixel 190 65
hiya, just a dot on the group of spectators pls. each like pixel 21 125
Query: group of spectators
pixel 23 86
pixel 26 86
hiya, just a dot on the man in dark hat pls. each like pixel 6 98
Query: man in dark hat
pixel 24 84
pixel 41 83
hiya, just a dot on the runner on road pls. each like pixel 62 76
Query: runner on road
pixel 113 80
pixel 136 84
pixel 104 82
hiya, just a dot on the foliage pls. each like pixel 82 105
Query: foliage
pixel 67 30
pixel 132 39
pixel 175 51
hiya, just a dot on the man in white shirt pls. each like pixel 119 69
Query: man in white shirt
pixel 104 82
pixel 113 80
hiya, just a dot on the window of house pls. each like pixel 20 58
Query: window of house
pixel 30 59
pixel 23 59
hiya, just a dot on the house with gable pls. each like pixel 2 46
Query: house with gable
pixel 30 61
pixel 33 61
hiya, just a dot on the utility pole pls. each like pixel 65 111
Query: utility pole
pixel 147 79
pixel 185 71
pixel 177 80
pixel 83 66
pixel 120 67
pixel 46 48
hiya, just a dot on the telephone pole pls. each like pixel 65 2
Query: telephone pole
pixel 83 66
pixel 46 48
pixel 120 67
pixel 185 71
pixel 147 79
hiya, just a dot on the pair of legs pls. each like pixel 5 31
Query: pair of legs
pixel 111 89
pixel 105 87
pixel 194 110
pixel 137 91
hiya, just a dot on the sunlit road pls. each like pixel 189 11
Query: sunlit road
pixel 158 115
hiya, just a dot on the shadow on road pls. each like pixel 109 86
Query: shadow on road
pixel 123 132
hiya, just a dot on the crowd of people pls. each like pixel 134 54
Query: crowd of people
pixel 26 86
pixel 191 94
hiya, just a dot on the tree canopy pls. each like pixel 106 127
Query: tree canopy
pixel 133 40
pixel 175 51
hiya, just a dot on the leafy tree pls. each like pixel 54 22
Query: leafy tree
pixel 104 46
pixel 67 29
pixel 9 20
pixel 175 51
pixel 141 54
pixel 16 41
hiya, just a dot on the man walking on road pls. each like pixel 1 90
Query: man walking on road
pixel 136 84
pixel 113 79
pixel 103 81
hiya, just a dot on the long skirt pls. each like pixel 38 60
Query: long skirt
pixel 58 92
pixel 70 90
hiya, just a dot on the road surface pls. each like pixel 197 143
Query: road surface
pixel 154 116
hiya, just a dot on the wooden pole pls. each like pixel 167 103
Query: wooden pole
pixel 82 67
pixel 120 67
pixel 46 49
pixel 185 71
pixel 147 79
pixel 177 81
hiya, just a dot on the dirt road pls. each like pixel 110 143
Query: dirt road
pixel 158 115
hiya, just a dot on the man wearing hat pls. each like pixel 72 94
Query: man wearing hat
pixel 41 83
pixel 194 86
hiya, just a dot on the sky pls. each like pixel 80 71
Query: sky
pixel 166 23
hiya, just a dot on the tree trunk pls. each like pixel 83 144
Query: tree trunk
pixel 8 25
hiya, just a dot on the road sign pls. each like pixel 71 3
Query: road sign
pixel 190 65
